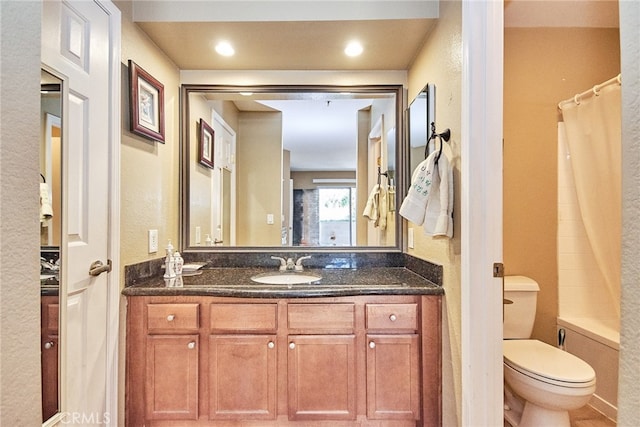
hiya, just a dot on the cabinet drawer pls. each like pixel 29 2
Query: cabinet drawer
pixel 392 316
pixel 244 317
pixel 172 317
pixel 321 318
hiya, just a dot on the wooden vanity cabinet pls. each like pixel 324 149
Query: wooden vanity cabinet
pixel 321 369
pixel 49 309
pixel 344 361
pixel 243 361
pixel 393 362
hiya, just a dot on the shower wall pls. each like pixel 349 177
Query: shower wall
pixel 581 289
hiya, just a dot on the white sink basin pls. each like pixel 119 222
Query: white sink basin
pixel 285 278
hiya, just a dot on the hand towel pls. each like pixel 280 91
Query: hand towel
pixel 438 220
pixel 414 205
pixel 377 206
pixel 46 212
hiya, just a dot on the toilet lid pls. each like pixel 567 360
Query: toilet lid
pixel 539 360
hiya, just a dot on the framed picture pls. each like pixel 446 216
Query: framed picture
pixel 206 144
pixel 146 103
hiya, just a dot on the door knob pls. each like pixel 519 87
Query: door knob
pixel 97 267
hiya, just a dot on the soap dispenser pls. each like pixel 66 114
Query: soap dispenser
pixel 169 263
pixel 178 262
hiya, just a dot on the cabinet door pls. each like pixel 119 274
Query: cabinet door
pixel 171 383
pixel 322 377
pixel 49 359
pixel 393 389
pixel 242 377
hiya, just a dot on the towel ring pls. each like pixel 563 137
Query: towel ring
pixel 44 180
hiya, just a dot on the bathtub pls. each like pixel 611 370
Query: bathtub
pixel 597 342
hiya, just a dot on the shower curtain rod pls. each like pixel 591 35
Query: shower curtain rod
pixel 593 91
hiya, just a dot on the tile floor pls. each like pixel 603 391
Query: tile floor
pixel 589 417
pixel 586 417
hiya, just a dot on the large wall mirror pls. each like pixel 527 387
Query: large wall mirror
pixel 291 167
pixel 50 239
pixel 422 112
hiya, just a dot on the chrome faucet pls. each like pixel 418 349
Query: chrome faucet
pixel 47 265
pixel 285 264
pixel 289 265
pixel 298 266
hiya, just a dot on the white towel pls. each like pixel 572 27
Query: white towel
pixel 438 220
pixel 429 201
pixel 377 207
pixel 414 205
pixel 46 212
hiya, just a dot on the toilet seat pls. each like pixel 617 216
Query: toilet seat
pixel 548 364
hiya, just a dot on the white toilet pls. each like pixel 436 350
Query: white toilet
pixel 542 382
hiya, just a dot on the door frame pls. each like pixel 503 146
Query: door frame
pixel 481 212
pixel 115 130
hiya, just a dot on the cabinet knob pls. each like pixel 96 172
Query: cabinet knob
pixel 192 345
pixel 271 344
pixel 171 317
pixel 49 345
pixel 372 344
pixel 292 345
pixel 393 317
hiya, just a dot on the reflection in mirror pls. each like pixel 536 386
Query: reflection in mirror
pixel 422 112
pixel 50 235
pixel 292 167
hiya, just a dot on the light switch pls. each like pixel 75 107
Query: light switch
pixel 153 241
pixel 270 219
pixel 410 238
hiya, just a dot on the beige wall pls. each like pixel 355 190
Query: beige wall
pixel 19 231
pixel 200 176
pixel 440 62
pixel 543 66
pixel 149 170
pixel 259 178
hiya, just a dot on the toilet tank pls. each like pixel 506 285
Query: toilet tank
pixel 520 314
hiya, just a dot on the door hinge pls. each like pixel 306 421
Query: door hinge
pixel 498 269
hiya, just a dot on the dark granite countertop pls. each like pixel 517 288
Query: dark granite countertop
pixel 236 282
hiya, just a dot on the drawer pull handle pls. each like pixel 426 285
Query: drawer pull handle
pixel 372 344
pixel 292 345
pixel 393 317
pixel 191 345
pixel 271 344
pixel 171 317
pixel 49 345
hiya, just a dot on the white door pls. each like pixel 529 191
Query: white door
pixel 224 185
pixel 79 40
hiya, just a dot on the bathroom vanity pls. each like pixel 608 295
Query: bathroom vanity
pixel 359 347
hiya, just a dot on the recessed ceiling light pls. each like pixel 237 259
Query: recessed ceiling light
pixel 246 93
pixel 354 48
pixel 225 49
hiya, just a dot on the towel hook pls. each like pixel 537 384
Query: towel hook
pixel 445 135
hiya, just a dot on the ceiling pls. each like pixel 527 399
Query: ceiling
pixel 308 35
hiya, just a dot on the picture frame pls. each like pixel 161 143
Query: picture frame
pixel 206 146
pixel 146 104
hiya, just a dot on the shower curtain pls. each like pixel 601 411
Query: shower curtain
pixel 593 131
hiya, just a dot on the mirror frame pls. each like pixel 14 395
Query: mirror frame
pixel 401 154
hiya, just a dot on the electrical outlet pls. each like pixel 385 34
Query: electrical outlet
pixel 153 241
pixel 410 238
pixel 198 235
